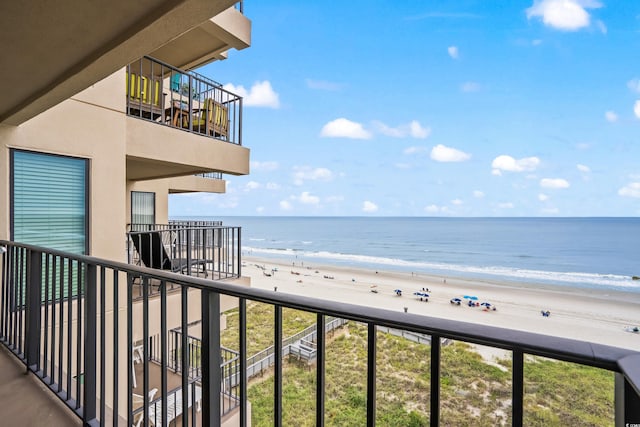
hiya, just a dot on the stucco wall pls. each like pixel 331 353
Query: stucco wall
pixel 82 129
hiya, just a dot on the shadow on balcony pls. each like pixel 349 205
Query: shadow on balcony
pixel 26 401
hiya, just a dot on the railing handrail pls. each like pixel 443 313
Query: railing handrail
pixel 178 227
pixel 565 349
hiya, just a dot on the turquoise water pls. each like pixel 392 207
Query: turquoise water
pixel 582 252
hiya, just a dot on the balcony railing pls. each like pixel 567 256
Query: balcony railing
pixel 229 370
pixel 62 337
pixel 186 100
pixel 210 175
pixel 201 248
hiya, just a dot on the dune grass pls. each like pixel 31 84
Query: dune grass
pixel 473 392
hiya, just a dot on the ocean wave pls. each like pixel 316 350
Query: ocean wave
pixel 506 273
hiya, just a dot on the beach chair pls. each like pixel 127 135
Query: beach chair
pixel 152 254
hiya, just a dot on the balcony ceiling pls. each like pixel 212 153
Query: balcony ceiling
pixel 207 42
pixel 52 50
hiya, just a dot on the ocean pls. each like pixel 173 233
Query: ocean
pixel 577 252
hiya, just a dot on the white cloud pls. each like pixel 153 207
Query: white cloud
pixel 417 131
pixel 470 87
pixel 601 26
pixel 308 199
pixel 343 128
pixel 496 172
pixel 554 183
pixel 636 108
pixel 630 190
pixel 565 15
pixel 252 185
pixel 368 206
pixel 261 94
pixel 307 173
pixel 414 150
pixel 457 202
pixel 441 153
pixel 536 42
pixel 583 168
pixel 478 194
pixel 509 164
pixel 543 197
pixel 611 116
pixel 264 166
pixel 272 186
pixel 634 85
pixel 507 205
pixel 323 85
pixel 413 129
pixel 285 205
pixel 453 52
pixel 260 209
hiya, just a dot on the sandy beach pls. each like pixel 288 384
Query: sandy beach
pixel 583 314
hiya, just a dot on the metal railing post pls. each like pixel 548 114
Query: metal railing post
pixel 627 403
pixel 371 375
pixel 33 303
pixel 242 344
pixel 90 344
pixel 277 382
pixel 320 372
pixel 211 360
pixel 517 389
pixel 435 380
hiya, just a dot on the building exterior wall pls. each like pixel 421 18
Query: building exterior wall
pixel 80 127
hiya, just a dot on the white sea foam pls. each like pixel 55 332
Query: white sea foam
pixel 507 273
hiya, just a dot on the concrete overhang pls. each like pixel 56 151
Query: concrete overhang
pixel 155 151
pixel 196 184
pixel 52 50
pixel 207 42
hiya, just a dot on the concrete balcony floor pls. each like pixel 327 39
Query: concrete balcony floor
pixel 26 401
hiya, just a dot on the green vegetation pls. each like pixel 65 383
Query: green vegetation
pixel 473 392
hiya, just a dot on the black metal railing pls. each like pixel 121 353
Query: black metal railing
pixel 186 100
pixel 89 331
pixel 192 248
pixel 229 370
pixel 210 175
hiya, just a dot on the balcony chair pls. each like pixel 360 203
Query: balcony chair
pixel 152 253
pixel 174 405
pixel 138 400
pixel 144 96
pixel 212 119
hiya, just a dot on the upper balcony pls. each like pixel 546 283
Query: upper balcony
pixel 190 124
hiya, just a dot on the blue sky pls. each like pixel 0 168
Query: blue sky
pixel 434 108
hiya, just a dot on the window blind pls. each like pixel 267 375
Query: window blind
pixel 49 201
pixel 143 207
pixel 49 195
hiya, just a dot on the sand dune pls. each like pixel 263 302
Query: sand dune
pixel 583 314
